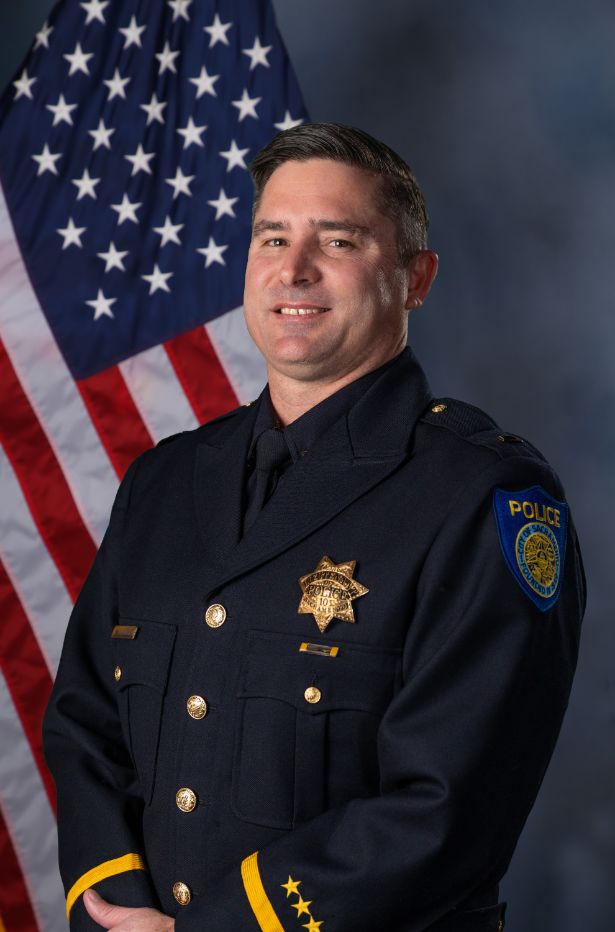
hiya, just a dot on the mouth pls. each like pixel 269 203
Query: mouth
pixel 304 310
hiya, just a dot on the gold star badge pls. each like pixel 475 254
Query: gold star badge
pixel 291 887
pixel 328 592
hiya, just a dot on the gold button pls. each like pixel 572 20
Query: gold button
pixel 312 694
pixel 117 674
pixel 182 893
pixel 197 707
pixel 215 615
pixel 185 799
pixel 438 409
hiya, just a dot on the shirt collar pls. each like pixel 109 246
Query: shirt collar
pixel 307 429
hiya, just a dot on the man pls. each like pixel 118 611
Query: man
pixel 318 669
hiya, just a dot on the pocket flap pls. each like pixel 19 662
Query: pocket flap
pixel 357 677
pixel 146 659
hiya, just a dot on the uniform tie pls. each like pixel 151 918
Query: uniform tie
pixel 271 453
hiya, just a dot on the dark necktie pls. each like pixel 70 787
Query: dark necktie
pixel 271 453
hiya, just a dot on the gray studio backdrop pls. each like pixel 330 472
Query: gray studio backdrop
pixel 507 114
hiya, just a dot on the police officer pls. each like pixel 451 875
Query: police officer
pixel 316 674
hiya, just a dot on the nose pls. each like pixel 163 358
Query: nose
pixel 299 265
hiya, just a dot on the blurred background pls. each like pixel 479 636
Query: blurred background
pixel 507 115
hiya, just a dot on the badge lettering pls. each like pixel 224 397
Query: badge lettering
pixel 535 511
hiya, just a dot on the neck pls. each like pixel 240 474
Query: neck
pixel 293 397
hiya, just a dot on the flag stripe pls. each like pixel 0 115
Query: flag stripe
pixel 26 674
pixel 50 388
pixel 156 392
pixel 201 374
pixel 115 415
pixel 31 570
pixel 15 908
pixel 30 821
pixel 43 482
pixel 245 369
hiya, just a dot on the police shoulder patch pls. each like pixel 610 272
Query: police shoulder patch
pixel 532 530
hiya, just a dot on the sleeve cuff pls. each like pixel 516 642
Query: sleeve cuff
pixel 128 862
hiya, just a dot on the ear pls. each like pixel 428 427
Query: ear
pixel 422 270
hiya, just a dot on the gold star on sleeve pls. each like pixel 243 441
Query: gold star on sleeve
pixel 302 906
pixel 313 926
pixel 291 887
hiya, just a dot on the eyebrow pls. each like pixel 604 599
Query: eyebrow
pixel 343 225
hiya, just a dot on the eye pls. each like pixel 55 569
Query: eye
pixel 275 241
pixel 340 243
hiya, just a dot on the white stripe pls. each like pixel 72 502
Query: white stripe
pixel 31 570
pixel 240 359
pixel 155 389
pixel 50 388
pixel 29 819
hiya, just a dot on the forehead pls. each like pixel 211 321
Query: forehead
pixel 321 185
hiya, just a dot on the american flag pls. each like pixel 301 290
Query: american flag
pixel 124 223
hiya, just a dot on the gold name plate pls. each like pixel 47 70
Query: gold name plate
pixel 129 632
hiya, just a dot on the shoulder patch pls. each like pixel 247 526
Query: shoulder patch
pixel 532 530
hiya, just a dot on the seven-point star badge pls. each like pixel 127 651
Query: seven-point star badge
pixel 328 592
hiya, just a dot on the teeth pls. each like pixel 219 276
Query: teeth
pixel 302 310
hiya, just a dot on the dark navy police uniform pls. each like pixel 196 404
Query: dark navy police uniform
pixel 339 720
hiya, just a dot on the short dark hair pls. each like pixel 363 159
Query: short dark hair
pixel 400 196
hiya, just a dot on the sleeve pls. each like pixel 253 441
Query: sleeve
pixel 99 801
pixel 462 750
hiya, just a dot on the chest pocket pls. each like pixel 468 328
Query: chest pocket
pixel 144 668
pixel 307 727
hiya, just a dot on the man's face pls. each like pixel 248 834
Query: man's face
pixel 325 295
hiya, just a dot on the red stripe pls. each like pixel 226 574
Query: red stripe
pixel 26 674
pixel 42 481
pixel 15 907
pixel 116 418
pixel 201 374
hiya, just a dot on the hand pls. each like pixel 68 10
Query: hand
pixel 125 918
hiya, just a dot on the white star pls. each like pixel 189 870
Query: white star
pixel 212 253
pixel 42 37
pixel 224 205
pixel 71 234
pixel 192 134
pixel 235 157
pixel 78 60
pixel 217 31
pixel 101 305
pixel 61 111
pixel 158 280
pixel 247 106
pixel 287 122
pixel 205 83
pixel 169 232
pixel 132 33
pixel 86 185
pixel 116 85
pixel 101 135
pixel 140 161
pixel 258 54
pixel 127 210
pixel 114 259
pixel 180 184
pixel 94 10
pixel 23 85
pixel 154 109
pixel 47 161
pixel 167 59
pixel 180 8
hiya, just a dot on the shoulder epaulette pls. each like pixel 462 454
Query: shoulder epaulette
pixel 215 420
pixel 477 427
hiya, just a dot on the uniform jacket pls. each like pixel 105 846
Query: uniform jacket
pixel 389 797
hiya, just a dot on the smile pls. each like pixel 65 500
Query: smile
pixel 301 311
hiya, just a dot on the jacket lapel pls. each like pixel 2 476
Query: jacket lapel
pixel 353 456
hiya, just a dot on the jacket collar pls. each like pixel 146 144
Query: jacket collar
pixel 357 452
